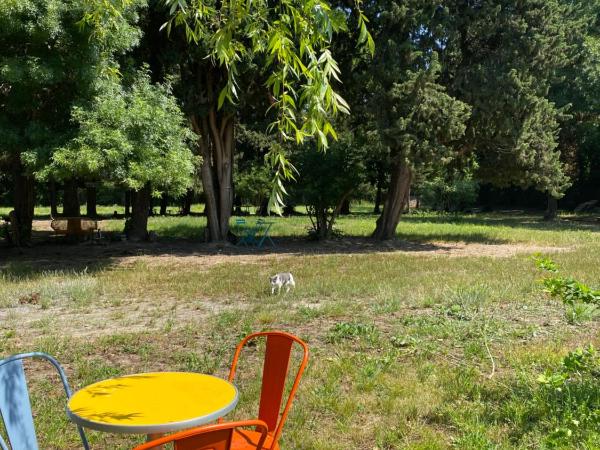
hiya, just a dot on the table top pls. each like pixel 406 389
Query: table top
pixel 149 403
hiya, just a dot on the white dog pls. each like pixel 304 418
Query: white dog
pixel 284 279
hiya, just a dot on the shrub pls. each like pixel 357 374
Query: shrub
pixel 456 194
pixel 253 185
pixel 326 180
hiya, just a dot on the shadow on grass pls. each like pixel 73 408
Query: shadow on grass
pixel 44 258
pixel 532 222
pixel 480 238
pixel 51 253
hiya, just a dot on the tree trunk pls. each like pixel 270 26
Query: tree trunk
pixel 90 201
pixel 216 144
pixel 406 208
pixel 186 205
pixel 137 225
pixel 71 207
pixel 321 218
pixel 379 193
pixel 237 203
pixel 337 211
pixel 552 208
pixel 127 202
pixel 263 209
pixel 395 200
pixel 288 210
pixel 345 209
pixel 24 196
pixel 52 198
pixel 164 202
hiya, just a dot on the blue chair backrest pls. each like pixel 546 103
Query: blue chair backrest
pixel 15 407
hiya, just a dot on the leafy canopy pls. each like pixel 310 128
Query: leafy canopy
pixel 131 136
pixel 288 43
pixel 291 38
pixel 47 64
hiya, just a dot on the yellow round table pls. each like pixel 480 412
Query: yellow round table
pixel 152 403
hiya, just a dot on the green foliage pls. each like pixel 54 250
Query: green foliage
pixel 419 120
pixel 351 330
pixel 580 300
pixel 545 263
pixel 571 291
pixel 289 41
pixel 327 179
pixel 253 185
pixel 569 397
pixel 48 64
pixel 502 58
pixel 131 136
pixel 294 47
pixel 456 194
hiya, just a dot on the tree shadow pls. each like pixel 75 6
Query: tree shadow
pixel 54 254
pixel 525 221
pixel 86 258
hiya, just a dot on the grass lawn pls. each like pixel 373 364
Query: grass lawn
pixel 433 342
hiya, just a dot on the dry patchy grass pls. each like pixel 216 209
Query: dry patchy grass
pixel 402 336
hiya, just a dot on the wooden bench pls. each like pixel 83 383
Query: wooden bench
pixel 75 226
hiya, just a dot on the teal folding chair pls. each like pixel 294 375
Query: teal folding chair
pixel 262 233
pixel 15 406
pixel 248 234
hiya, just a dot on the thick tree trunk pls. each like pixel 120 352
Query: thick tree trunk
pixel 396 198
pixel 137 225
pixel 52 199
pixel 216 144
pixel 91 201
pixel 23 202
pixel 321 218
pixel 127 203
pixel 164 202
pixel 71 207
pixel 552 208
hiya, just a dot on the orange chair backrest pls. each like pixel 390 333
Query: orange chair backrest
pixel 275 372
pixel 212 437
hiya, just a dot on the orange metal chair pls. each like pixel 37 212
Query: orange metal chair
pixel 211 437
pixel 275 372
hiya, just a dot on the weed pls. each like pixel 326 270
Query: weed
pixel 352 330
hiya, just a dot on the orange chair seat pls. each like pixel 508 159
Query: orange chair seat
pixel 248 440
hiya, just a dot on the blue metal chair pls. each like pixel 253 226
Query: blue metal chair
pixel 15 406
pixel 262 233
pixel 247 234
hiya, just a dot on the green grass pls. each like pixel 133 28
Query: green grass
pixel 402 342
